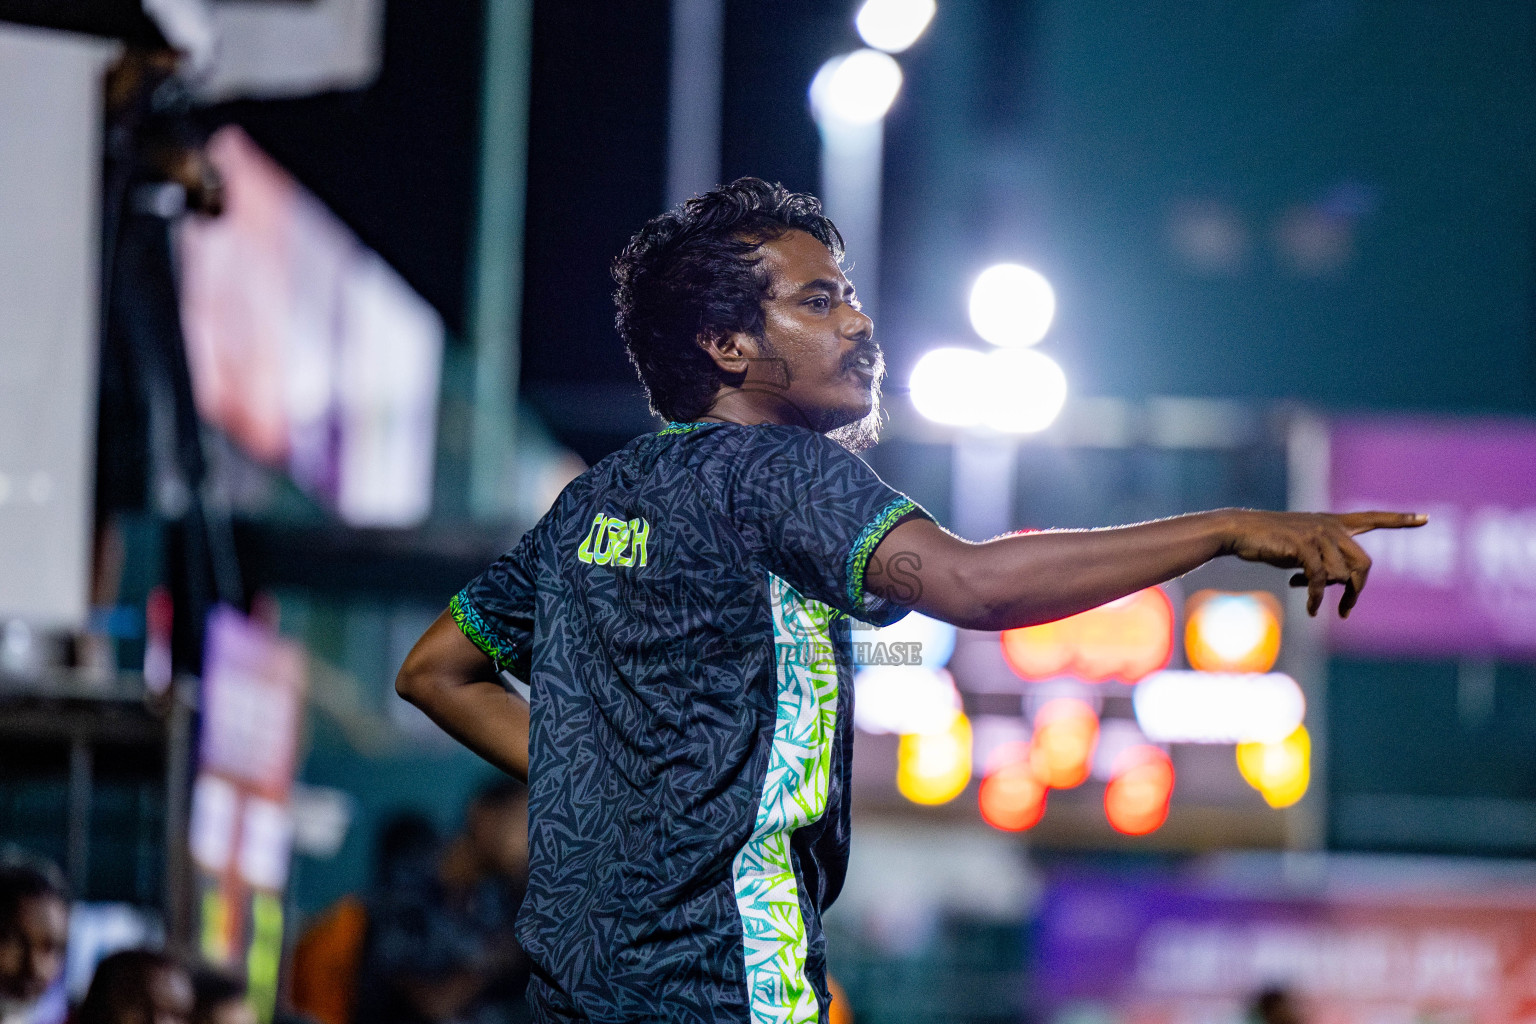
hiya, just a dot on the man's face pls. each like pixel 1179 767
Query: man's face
pixel 170 999
pixel 32 948
pixel 233 1011
pixel 820 360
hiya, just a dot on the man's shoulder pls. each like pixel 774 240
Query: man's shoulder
pixel 683 462
pixel 698 441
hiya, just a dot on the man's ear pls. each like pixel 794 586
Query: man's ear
pixel 733 353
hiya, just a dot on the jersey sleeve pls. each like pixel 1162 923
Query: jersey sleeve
pixel 813 513
pixel 495 610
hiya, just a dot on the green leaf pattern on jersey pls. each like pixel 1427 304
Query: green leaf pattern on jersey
pixel 794 795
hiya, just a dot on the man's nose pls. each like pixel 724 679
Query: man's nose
pixel 859 326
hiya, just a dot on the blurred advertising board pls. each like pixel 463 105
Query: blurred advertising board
pixel 1161 953
pixel 241 831
pixel 306 347
pixel 50 255
pixel 1465 584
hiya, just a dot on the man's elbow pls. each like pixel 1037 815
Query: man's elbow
pixel 967 596
pixel 416 682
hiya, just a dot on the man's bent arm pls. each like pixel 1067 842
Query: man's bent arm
pixel 1025 579
pixel 453 681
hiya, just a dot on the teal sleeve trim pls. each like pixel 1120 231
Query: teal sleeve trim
pixel 480 633
pixel 869 538
pixel 674 428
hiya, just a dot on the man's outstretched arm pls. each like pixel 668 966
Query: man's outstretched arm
pixel 1024 579
pixel 453 681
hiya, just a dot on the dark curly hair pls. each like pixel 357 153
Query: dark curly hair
pixel 693 272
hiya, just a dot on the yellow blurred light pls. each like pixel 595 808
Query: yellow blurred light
pixel 1011 798
pixel 934 768
pixel 1125 639
pixel 1137 796
pixel 1280 771
pixel 1061 752
pixel 1232 632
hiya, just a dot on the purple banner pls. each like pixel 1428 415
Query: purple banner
pixel 1124 951
pixel 1465 584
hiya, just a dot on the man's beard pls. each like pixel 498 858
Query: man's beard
pixel 864 432
pixel 770 373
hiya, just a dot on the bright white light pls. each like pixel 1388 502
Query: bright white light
pixel 1025 391
pixel 1012 305
pixel 893 25
pixel 946 385
pixel 1233 625
pixel 930 640
pixel 856 88
pixel 1012 391
pixel 904 700
pixel 1217 707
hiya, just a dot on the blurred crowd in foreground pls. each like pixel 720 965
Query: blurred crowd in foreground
pixel 430 942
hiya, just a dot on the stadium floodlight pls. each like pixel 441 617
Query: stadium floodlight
pixel 1012 305
pixel 1010 391
pixel 946 385
pixel 856 88
pixel 893 25
pixel 1026 391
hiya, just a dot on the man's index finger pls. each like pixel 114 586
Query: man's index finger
pixel 1361 522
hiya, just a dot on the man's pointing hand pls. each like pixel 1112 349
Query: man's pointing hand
pixel 1320 544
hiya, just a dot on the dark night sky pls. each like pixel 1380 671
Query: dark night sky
pixel 1061 134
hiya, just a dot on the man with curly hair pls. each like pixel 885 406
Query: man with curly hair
pixel 682 618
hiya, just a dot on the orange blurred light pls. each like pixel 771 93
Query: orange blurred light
pixel 935 767
pixel 1061 752
pixel 1280 771
pixel 1125 640
pixel 1232 632
pixel 1137 796
pixel 1011 798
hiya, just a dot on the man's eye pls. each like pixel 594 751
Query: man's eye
pixel 820 303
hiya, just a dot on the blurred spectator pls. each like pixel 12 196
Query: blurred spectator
pixel 138 986
pixel 220 998
pixel 440 944
pixel 1275 1005
pixel 34 929
pixel 326 958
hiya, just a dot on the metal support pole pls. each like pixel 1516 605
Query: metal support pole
pixel 981 488
pixel 693 106
pixel 78 854
pixel 852 157
pixel 496 284
pixel 1307 653
pixel 178 798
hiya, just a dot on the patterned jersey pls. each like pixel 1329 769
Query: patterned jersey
pixel 682 616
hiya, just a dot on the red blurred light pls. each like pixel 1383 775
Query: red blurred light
pixel 1136 799
pixel 1011 798
pixel 1061 752
pixel 1124 640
